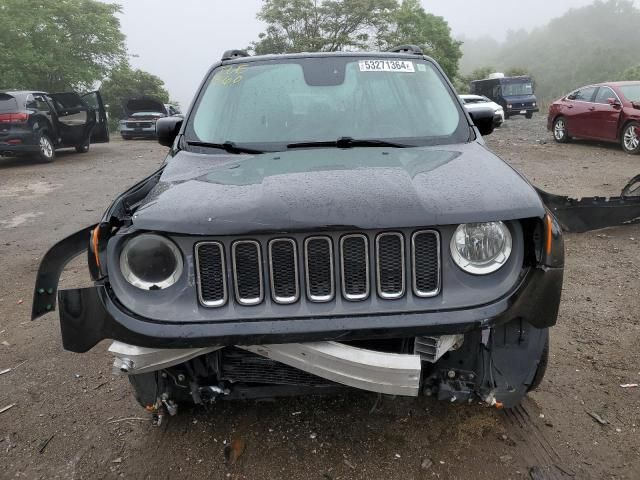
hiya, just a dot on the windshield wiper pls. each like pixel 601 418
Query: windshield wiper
pixel 348 142
pixel 229 147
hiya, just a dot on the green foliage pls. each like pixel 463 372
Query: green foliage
pixel 125 83
pixel 586 45
pixel 333 25
pixel 632 73
pixel 58 45
pixel 463 82
pixel 411 24
pixel 320 25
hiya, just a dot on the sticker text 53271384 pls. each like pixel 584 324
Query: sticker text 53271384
pixel 386 66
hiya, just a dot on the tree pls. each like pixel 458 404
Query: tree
pixel 58 45
pixel 320 25
pixel 632 74
pixel 411 24
pixel 124 83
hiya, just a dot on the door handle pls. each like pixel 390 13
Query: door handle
pixel 591 109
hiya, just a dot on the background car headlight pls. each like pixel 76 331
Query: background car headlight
pixel 151 262
pixel 481 248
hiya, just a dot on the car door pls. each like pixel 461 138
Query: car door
pixel 604 117
pixel 100 132
pixel 577 111
pixel 74 118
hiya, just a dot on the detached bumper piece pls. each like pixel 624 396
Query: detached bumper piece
pixel 593 213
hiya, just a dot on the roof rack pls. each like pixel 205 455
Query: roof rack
pixel 414 49
pixel 231 54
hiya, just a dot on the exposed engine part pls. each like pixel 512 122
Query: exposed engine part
pixel 431 349
pixel 389 373
pixel 170 405
pixel 132 360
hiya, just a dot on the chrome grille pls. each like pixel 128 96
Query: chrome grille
pixel 318 258
pixel 354 262
pixel 283 267
pixel 404 263
pixel 425 256
pixel 247 272
pixel 211 274
pixel 390 271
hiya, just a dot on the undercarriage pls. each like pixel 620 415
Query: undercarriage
pixel 496 365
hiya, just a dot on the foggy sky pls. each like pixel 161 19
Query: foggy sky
pixel 180 40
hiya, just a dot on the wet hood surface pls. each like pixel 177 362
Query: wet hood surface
pixel 361 188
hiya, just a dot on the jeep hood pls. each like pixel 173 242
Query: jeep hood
pixel 145 104
pixel 360 188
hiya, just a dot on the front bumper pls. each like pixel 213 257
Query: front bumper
pixel 149 132
pixel 90 315
pixel 521 111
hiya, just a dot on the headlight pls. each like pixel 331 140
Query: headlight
pixel 151 262
pixel 481 248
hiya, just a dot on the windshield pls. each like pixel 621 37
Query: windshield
pixel 514 89
pixel 270 104
pixel 631 92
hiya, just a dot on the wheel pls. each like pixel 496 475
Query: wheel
pixel 47 152
pixel 542 365
pixel 84 148
pixel 529 115
pixel 506 116
pixel 126 137
pixel 560 133
pixel 631 138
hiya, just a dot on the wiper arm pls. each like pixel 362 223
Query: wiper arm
pixel 348 142
pixel 226 146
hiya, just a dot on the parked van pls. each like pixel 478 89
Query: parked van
pixel 514 94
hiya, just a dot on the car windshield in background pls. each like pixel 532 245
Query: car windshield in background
pixel 147 114
pixel 631 92
pixel 267 105
pixel 514 89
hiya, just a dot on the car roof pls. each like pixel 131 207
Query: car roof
pixel 16 93
pixel 255 58
pixel 480 97
pixel 614 84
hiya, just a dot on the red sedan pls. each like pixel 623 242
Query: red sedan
pixel 607 111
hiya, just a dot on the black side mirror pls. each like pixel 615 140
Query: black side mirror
pixel 483 118
pixel 614 102
pixel 167 129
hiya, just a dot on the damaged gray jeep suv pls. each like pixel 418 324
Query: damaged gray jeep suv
pixel 322 221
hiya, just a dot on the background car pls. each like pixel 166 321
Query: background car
pixel 37 123
pixel 475 102
pixel 142 114
pixel 515 94
pixel 606 111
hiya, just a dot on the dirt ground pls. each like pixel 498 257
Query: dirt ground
pixel 73 419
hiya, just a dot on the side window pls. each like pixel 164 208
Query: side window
pixel 31 103
pixel 604 94
pixel 41 104
pixel 583 95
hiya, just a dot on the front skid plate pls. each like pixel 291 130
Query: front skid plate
pixel 388 373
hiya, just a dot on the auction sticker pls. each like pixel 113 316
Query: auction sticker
pixel 386 66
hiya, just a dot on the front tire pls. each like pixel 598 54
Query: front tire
pixel 560 133
pixel 46 152
pixel 631 138
pixel 84 148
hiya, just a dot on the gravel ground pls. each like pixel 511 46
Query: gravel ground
pixel 73 419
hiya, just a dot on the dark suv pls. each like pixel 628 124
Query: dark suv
pixel 321 221
pixel 38 123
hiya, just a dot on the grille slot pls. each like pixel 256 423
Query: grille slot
pixel 283 265
pixel 319 269
pixel 211 274
pixel 390 269
pixel 354 262
pixel 425 256
pixel 247 272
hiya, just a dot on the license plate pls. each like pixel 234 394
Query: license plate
pixel 522 112
pixel 386 66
